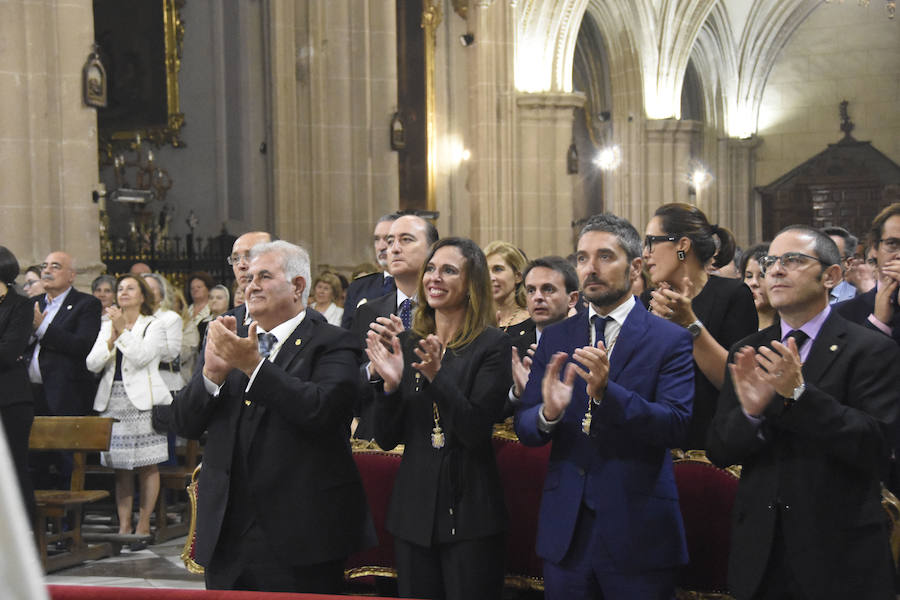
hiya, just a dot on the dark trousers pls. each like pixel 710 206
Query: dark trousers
pixel 465 570
pixel 247 562
pixel 778 582
pixel 50 470
pixel 589 572
pixel 17 420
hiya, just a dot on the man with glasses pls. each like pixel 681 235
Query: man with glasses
pixel 846 243
pixel 877 309
pixel 66 324
pixel 808 408
pixel 240 265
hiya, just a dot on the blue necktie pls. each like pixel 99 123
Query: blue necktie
pixel 406 313
pixel 266 343
pixel 387 286
pixel 600 328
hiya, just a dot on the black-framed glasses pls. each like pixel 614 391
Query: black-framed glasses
pixel 891 244
pixel 649 240
pixel 791 261
pixel 236 258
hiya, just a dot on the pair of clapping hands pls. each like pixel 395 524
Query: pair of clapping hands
pixel 386 356
pixel 226 350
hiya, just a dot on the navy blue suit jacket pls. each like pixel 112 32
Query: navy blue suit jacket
pixel 624 468
pixel 69 387
pixel 857 310
pixel 365 288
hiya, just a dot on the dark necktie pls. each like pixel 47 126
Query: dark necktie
pixel 266 343
pixel 799 336
pixel 387 286
pixel 406 313
pixel 600 328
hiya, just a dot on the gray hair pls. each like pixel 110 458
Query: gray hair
pixel 624 231
pixel 294 261
pixel 224 289
pixel 165 302
pixel 103 279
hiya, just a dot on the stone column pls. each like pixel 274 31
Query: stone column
pixel 48 137
pixel 736 208
pixel 333 91
pixel 668 157
pixel 544 189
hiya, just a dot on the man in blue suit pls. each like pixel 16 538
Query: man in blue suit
pixel 611 387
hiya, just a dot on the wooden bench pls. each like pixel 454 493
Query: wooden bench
pixel 175 478
pixel 78 435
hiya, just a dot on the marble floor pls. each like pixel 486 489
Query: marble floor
pixel 158 566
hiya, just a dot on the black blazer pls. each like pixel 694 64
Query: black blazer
pixel 857 310
pixel 16 317
pixel 367 287
pixel 303 486
pixel 69 387
pixel 365 403
pixel 469 389
pixel 820 459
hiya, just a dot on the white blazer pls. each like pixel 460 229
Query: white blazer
pixel 141 348
pixel 172 325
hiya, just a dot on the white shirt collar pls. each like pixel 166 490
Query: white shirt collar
pixel 401 297
pixel 619 313
pixel 282 331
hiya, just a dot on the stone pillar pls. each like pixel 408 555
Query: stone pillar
pixel 333 91
pixel 736 208
pixel 668 157
pixel 48 137
pixel 544 188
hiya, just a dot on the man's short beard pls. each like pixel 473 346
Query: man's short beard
pixel 609 297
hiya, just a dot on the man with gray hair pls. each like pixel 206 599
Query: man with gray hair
pixel 282 505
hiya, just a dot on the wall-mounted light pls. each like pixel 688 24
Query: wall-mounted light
pixel 397 132
pixel 467 39
pixel 572 159
pixel 609 158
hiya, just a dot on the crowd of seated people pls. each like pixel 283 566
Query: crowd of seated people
pixel 630 347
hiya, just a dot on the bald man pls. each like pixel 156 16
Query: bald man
pixel 66 323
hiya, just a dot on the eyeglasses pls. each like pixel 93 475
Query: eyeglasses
pixel 657 239
pixel 872 262
pixel 30 282
pixel 890 244
pixel 791 261
pixel 52 266
pixel 236 258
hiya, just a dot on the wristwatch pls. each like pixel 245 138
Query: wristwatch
pixel 695 328
pixel 798 391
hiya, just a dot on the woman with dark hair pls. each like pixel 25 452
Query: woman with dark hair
pixel 127 351
pixel 199 284
pixel 16 404
pixel 506 264
pixel 103 289
pixel 717 311
pixel 443 386
pixel 34 285
pixel 752 275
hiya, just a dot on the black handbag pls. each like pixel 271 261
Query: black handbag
pixel 161 417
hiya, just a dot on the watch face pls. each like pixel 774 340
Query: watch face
pixel 694 329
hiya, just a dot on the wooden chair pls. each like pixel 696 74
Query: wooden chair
pixel 175 478
pixel 78 435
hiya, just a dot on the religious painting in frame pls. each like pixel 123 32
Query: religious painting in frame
pixel 140 44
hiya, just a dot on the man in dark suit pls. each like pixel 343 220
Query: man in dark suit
pixel 409 240
pixel 282 504
pixel 877 309
pixel 66 324
pixel 808 408
pixel 610 525
pixel 374 285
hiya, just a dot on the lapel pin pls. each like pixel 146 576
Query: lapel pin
pixel 361 302
pixel 833 347
pixel 69 307
pixel 247 402
pixel 297 342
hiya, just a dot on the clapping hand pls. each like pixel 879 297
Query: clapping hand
pixel 557 393
pixel 386 362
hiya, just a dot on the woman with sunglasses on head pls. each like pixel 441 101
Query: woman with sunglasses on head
pixel 717 311
pixel 752 274
pixel 444 384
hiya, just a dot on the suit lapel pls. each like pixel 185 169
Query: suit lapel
pixel 630 338
pixel 293 348
pixel 825 348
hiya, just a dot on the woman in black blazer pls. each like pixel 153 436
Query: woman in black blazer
pixel 16 405
pixel 442 388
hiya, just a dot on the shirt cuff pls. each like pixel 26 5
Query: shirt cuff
pixel 756 422
pixel 544 425
pixel 211 388
pixel 883 327
pixel 512 397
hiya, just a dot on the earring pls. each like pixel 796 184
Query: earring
pixel 680 254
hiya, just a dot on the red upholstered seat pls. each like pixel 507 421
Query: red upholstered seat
pixel 522 472
pixel 706 494
pixel 378 470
